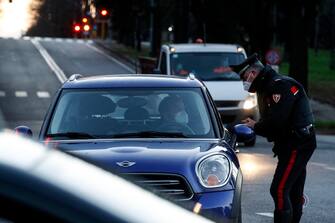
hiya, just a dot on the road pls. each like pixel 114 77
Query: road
pixel 32 70
pixel 258 166
pixel 28 82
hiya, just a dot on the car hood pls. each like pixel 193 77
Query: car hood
pixel 156 156
pixel 148 155
pixel 226 90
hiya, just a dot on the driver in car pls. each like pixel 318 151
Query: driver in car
pixel 174 116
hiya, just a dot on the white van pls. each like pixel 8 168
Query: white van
pixel 210 63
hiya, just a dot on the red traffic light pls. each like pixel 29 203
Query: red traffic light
pixel 104 12
pixel 87 28
pixel 77 28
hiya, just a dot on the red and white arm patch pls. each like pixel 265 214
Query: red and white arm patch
pixel 294 90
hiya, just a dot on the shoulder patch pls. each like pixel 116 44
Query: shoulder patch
pixel 294 90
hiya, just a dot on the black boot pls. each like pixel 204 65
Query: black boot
pixel 283 216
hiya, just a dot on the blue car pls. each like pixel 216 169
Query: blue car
pixel 162 132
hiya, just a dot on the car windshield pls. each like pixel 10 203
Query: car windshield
pixel 131 113
pixel 206 66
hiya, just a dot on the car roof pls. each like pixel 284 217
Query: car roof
pixel 210 47
pixel 83 180
pixel 132 80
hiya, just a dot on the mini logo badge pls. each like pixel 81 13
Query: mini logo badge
pixel 126 163
pixel 276 97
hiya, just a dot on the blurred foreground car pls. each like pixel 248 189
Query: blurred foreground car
pixel 43 185
pixel 163 132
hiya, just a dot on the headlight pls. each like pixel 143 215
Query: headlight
pixel 250 103
pixel 213 170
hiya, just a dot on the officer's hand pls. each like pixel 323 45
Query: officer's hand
pixel 249 122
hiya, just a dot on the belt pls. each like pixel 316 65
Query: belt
pixel 304 131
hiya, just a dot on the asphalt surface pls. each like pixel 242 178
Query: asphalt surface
pixel 258 167
pixel 32 70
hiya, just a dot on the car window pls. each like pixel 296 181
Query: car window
pixel 163 67
pixel 116 112
pixel 206 66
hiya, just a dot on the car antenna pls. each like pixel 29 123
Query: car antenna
pixel 205 33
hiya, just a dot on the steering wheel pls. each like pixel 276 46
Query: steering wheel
pixel 174 126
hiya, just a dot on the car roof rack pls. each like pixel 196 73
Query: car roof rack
pixel 75 77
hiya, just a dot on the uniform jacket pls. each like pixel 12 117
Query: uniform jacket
pixel 283 106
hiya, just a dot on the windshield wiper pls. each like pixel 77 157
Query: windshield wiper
pixel 72 135
pixel 152 134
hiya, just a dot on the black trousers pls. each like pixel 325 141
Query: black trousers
pixel 288 183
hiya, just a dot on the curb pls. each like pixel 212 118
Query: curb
pixel 329 139
pixel 104 45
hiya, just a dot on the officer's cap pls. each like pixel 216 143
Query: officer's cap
pixel 242 67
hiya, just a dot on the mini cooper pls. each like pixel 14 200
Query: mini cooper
pixel 162 132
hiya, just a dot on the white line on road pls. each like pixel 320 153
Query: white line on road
pixel 43 94
pixel 52 64
pixel 2 94
pixel 21 94
pixel 111 58
pixel 266 214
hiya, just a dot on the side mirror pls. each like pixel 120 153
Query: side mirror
pixel 24 131
pixel 243 133
pixel 156 71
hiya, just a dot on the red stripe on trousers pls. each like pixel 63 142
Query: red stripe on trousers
pixel 280 192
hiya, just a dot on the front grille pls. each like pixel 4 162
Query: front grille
pixel 221 104
pixel 170 186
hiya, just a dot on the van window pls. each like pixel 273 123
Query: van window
pixel 207 66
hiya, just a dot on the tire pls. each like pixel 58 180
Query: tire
pixel 250 143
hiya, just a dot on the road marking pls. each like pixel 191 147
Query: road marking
pixel 69 40
pixel 323 165
pixel 266 214
pixel 21 94
pixel 330 168
pixel 52 64
pixel 59 40
pixel 43 94
pixel 2 94
pixel 111 58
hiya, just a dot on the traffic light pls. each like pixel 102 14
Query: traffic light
pixel 87 28
pixel 104 12
pixel 76 28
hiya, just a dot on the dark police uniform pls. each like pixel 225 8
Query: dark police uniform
pixel 287 121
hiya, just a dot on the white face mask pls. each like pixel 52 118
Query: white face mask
pixel 181 117
pixel 246 85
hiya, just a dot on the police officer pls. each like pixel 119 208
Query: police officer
pixel 286 120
